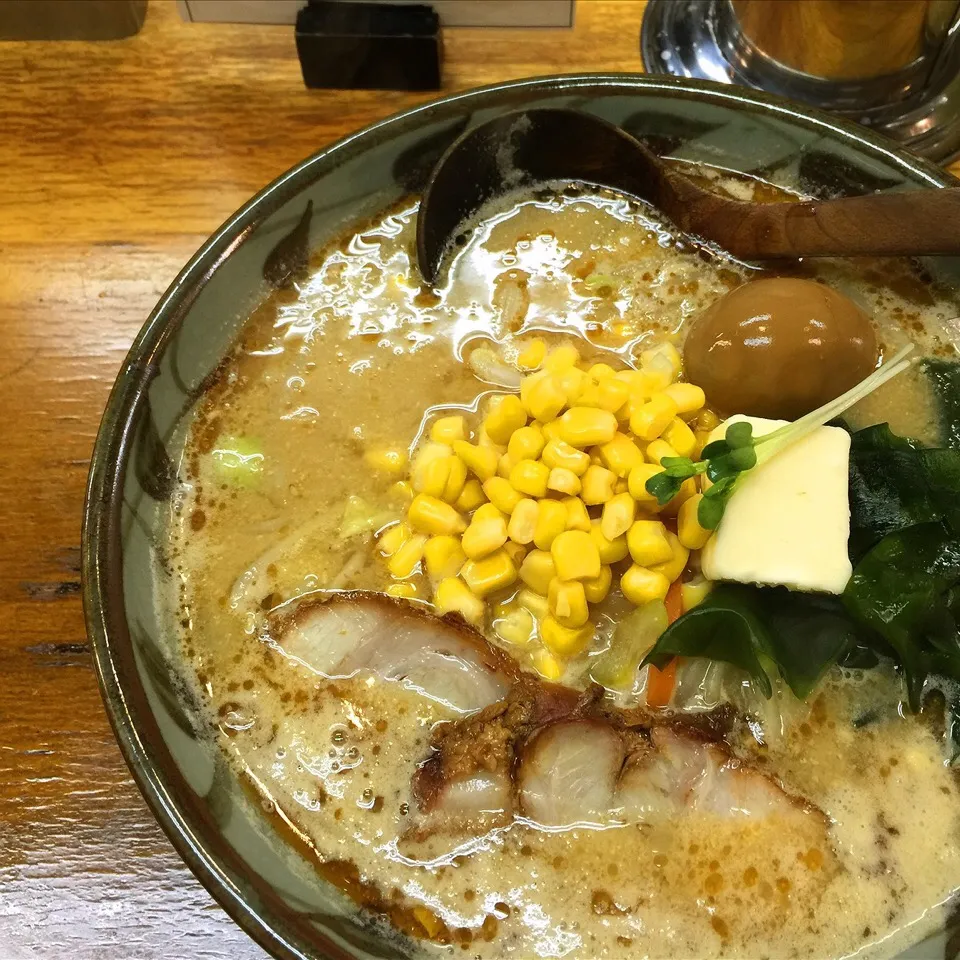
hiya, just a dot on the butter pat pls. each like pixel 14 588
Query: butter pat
pixel 788 521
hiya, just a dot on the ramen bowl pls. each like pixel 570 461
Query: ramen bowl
pixel 250 864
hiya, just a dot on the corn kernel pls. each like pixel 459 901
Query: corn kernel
pixel 425 456
pixel 588 395
pixel 456 479
pixel 680 437
pixel 406 561
pixel 577 516
pixel 621 486
pixel 689 531
pixel 390 460
pixel 448 430
pixel 647 543
pixel 404 590
pixel 564 641
pixel 537 570
pixel 483 536
pixel 551 431
pixel 551 522
pixel 545 398
pixel 432 477
pixel 392 539
pixel 526 443
pixel 601 371
pixel 652 418
pixel 620 455
pixel 618 515
pixel 453 596
pixel 598 483
pixel 504 417
pixel 515 626
pixel 530 477
pixel 486 510
pixel 401 490
pixel 611 551
pixel 587 426
pixel 694 592
pixel 634 402
pixel 688 489
pixel 430 515
pixel 568 602
pixel 481 461
pixel 532 354
pixel 688 397
pixel 637 483
pixel 658 449
pixel 516 552
pixel 535 602
pixel 612 394
pixel 523 521
pixel 484 440
pixel 673 567
pixel 575 555
pixel 558 454
pixel 663 357
pixel 471 497
pixel 491 573
pixel 547 665
pixel 562 358
pixel 596 588
pixel 502 494
pixel 641 586
pixel 443 477
pixel 505 464
pixel 631 378
pixel 444 557
pixel 707 420
pixel 573 381
pixel 563 481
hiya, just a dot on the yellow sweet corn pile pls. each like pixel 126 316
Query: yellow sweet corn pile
pixel 539 501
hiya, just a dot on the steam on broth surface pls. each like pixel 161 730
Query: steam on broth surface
pixel 725 825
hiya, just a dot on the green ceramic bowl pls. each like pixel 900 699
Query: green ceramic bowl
pixel 228 842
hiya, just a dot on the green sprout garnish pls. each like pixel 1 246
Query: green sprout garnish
pixel 725 461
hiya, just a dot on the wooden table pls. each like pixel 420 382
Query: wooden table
pixel 117 160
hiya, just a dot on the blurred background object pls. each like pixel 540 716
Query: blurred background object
pixel 890 64
pixel 369 46
pixel 71 19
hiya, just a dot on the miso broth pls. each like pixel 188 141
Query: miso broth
pixel 859 847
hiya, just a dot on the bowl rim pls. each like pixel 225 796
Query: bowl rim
pixel 101 549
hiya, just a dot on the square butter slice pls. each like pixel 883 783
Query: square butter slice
pixel 788 521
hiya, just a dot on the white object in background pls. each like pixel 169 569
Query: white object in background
pixel 452 13
pixel 788 521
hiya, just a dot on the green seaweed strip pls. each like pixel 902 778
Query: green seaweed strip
pixel 944 376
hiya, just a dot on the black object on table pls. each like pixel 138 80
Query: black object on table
pixel 369 46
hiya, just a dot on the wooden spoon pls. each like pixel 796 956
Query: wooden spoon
pixel 536 147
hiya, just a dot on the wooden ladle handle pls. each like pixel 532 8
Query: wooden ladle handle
pixel 910 222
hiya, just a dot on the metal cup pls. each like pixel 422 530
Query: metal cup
pixel 891 64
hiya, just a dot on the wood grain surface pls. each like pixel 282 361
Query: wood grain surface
pixel 117 160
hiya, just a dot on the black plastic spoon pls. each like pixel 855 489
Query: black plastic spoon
pixel 534 147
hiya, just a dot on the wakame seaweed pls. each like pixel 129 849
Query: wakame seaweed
pixel 761 628
pixel 944 379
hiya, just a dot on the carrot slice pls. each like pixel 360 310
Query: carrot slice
pixel 660 683
pixel 673 601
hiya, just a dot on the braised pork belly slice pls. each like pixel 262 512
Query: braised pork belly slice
pixel 439 658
